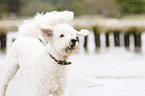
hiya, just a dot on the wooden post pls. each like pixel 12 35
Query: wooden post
pixel 126 39
pixel 78 39
pixel 107 39
pixel 85 43
pixel 97 37
pixel 2 42
pixel 137 41
pixel 117 38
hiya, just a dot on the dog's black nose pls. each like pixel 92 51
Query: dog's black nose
pixel 73 41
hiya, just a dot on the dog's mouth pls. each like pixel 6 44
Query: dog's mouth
pixel 72 47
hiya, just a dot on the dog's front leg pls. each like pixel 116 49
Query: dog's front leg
pixel 61 92
pixel 40 92
pixel 56 94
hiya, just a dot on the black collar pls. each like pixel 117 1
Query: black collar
pixel 59 61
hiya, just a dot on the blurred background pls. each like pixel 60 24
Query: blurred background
pixel 111 58
pixel 109 8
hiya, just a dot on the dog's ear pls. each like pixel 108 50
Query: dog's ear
pixel 46 32
pixel 83 32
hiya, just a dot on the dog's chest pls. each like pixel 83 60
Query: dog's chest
pixel 46 72
pixel 59 73
pixel 58 77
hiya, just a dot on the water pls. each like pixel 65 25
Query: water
pixel 108 72
pixel 113 72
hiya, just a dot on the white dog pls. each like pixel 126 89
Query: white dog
pixel 46 68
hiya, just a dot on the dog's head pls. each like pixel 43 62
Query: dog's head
pixel 62 37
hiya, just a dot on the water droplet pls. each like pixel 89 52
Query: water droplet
pixel 141 17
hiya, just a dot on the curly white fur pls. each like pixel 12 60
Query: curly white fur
pixel 32 58
pixel 29 27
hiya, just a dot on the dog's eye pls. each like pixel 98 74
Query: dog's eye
pixel 61 35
